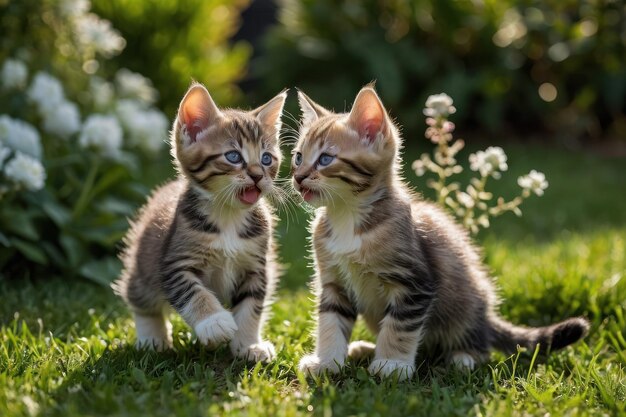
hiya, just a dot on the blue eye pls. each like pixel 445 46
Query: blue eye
pixel 325 159
pixel 298 158
pixel 266 159
pixel 233 157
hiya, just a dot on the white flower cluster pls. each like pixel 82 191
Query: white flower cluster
pixel 491 161
pixel 61 117
pixel 74 8
pixel 20 136
pixel 135 86
pixel 102 132
pixel 14 74
pixel 147 128
pixel 534 181
pixel 26 171
pixel 23 141
pixel 439 105
pixel 93 32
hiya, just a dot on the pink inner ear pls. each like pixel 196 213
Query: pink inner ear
pixel 370 123
pixel 369 120
pixel 194 113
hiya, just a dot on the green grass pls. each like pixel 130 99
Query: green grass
pixel 66 346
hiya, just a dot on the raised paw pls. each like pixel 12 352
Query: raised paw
pixel 216 329
pixel 463 360
pixel 313 365
pixel 361 349
pixel 258 352
pixel 387 367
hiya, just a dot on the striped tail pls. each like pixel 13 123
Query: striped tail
pixel 507 336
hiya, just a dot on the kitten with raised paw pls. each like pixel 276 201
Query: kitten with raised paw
pixel 203 243
pixel 400 262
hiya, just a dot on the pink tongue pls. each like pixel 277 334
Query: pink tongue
pixel 250 195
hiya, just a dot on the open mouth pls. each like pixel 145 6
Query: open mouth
pixel 307 194
pixel 250 195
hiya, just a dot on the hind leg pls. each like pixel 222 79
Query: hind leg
pixel 466 359
pixel 153 331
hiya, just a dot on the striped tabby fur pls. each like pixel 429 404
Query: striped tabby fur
pixel 400 262
pixel 203 243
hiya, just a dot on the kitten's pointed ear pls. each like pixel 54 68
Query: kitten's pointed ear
pixel 368 115
pixel 197 112
pixel 271 112
pixel 311 111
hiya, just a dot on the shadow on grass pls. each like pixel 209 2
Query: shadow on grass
pixel 124 380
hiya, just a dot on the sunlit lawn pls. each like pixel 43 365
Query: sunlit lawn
pixel 66 346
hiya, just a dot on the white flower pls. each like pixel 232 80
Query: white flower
pixel 534 181
pixel 26 171
pixel 63 120
pixel 101 92
pixel 74 8
pixel 4 154
pixel 102 133
pixel 14 74
pixel 465 199
pixel 146 128
pixel 94 32
pixel 439 105
pixel 20 136
pixel 489 162
pixel 46 91
pixel 134 85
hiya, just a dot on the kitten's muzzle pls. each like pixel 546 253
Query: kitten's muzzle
pixel 300 178
pixel 256 178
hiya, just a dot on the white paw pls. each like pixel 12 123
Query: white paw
pixel 258 352
pixel 361 349
pixel 463 360
pixel 313 365
pixel 155 343
pixel 386 367
pixel 216 329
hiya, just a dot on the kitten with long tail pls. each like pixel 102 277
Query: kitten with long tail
pixel 203 244
pixel 401 263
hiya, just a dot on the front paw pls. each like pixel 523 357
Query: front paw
pixel 386 367
pixel 216 329
pixel 315 366
pixel 258 352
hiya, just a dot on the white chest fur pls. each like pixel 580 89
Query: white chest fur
pixel 342 238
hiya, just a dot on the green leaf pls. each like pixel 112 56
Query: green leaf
pixel 73 249
pixel 20 222
pixel 4 240
pixel 59 214
pixel 30 250
pixel 102 271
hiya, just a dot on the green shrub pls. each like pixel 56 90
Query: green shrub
pixel 494 57
pixel 173 42
pixel 78 152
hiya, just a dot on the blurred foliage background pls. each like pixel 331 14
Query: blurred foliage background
pixel 553 70
pixel 174 42
pixel 511 65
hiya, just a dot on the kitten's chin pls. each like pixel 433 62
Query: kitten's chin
pixel 249 195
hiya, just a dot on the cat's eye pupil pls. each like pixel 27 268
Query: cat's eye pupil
pixel 298 159
pixel 233 157
pixel 325 159
pixel 266 159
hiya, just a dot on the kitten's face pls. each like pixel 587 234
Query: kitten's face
pixel 341 157
pixel 234 155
